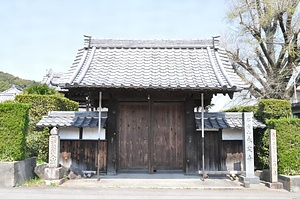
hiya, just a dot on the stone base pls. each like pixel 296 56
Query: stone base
pixel 54 173
pixel 274 185
pixel 290 183
pixel 252 180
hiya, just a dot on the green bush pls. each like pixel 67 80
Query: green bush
pixel 38 144
pixel 273 109
pixel 288 145
pixel 42 104
pixel 38 138
pixel 40 89
pixel 243 109
pixel 13 131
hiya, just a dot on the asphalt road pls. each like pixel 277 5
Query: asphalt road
pixel 135 193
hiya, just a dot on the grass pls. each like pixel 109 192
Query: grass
pixel 35 182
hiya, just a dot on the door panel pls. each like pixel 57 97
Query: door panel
pixel 168 136
pixel 133 136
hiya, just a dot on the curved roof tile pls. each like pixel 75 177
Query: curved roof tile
pixel 156 64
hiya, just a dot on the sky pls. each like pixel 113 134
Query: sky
pixel 38 35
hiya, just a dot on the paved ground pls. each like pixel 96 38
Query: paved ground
pixel 137 193
pixel 158 181
pixel 136 186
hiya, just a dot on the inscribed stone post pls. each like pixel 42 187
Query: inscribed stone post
pixel 273 184
pixel 54 148
pixel 273 156
pixel 248 149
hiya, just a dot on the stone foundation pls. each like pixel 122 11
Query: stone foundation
pixel 17 173
pixel 290 183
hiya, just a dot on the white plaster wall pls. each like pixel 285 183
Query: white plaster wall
pixel 92 133
pixel 69 133
pixel 232 134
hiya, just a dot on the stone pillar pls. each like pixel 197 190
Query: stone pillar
pixel 54 172
pixel 274 184
pixel 54 148
pixel 248 150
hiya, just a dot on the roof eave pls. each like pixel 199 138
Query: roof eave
pixel 192 89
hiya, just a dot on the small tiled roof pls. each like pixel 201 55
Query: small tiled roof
pixel 10 93
pixel 153 64
pixel 72 119
pixel 224 120
pixel 51 78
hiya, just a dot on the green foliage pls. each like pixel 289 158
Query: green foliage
pixel 37 139
pixel 38 144
pixel 273 109
pixel 288 145
pixel 40 89
pixel 7 80
pixel 243 109
pixel 13 131
pixel 42 104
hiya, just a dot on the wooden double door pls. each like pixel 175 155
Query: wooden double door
pixel 151 136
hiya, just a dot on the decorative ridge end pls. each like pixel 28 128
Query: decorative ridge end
pixel 216 42
pixel 87 41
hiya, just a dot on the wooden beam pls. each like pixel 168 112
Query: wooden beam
pixel 222 172
pixel 150 136
pixel 99 134
pixel 111 136
pixel 202 130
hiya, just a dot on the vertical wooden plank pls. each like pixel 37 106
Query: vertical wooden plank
pixel 168 136
pixel 133 136
pixel 150 135
pixel 212 151
pixel 111 134
pixel 191 149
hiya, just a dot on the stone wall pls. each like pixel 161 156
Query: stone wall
pixel 17 173
pixel 290 183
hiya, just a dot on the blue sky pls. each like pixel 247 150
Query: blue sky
pixel 37 35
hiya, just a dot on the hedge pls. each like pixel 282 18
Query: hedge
pixel 242 109
pixel 273 109
pixel 288 144
pixel 38 138
pixel 42 104
pixel 13 131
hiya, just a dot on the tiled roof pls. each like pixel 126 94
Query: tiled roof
pixel 10 93
pixel 72 119
pixel 51 78
pixel 152 64
pixel 223 120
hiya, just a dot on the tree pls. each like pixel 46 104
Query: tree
pixel 40 89
pixel 266 48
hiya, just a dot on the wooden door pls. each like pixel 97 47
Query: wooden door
pixel 212 140
pixel 133 136
pixel 168 128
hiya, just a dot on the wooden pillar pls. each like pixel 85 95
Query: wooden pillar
pixel 190 138
pixel 150 136
pixel 111 136
pixel 99 132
